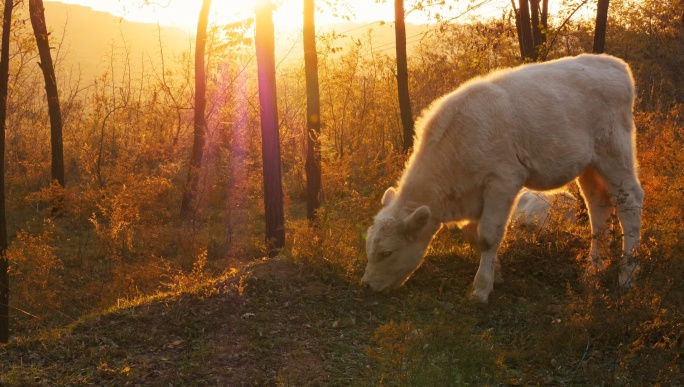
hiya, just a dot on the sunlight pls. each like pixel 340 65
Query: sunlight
pixel 183 13
pixel 288 14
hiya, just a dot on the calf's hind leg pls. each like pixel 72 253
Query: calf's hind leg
pixel 597 197
pixel 625 189
pixel 603 192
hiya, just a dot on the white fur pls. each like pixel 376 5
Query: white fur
pixel 533 209
pixel 538 126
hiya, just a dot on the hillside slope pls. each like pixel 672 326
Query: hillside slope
pixel 271 322
pixel 278 322
pixel 85 40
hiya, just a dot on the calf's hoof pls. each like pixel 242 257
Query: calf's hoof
pixel 480 296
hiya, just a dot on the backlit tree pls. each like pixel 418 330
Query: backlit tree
pixel 37 15
pixel 270 138
pixel 4 81
pixel 402 75
pixel 313 113
pixel 200 121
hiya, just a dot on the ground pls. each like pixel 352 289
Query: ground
pixel 282 322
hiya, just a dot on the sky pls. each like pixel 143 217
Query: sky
pixel 183 13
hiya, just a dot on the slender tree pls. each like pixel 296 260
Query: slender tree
pixel 537 35
pixel 200 121
pixel 4 81
pixel 402 75
pixel 531 22
pixel 544 19
pixel 37 16
pixel 540 28
pixel 313 113
pixel 270 139
pixel 600 30
pixel 525 32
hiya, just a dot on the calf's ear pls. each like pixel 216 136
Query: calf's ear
pixel 415 222
pixel 389 195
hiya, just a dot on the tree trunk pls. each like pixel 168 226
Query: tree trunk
pixel 537 37
pixel 545 19
pixel 37 15
pixel 4 81
pixel 200 121
pixel 402 75
pixel 518 30
pixel 600 30
pixel 525 31
pixel 313 111
pixel 270 141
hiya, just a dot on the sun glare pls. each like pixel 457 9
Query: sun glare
pixel 288 14
pixel 183 13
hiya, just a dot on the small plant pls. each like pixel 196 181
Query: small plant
pixel 181 281
pixel 36 276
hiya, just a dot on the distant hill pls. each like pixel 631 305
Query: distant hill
pixel 89 37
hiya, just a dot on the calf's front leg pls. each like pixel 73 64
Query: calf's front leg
pixel 491 231
pixel 471 236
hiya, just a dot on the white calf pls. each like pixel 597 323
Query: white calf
pixel 538 126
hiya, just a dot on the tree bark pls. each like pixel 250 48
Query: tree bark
pixel 518 30
pixel 4 81
pixel 270 141
pixel 200 122
pixel 600 30
pixel 545 18
pixel 37 16
pixel 525 31
pixel 313 114
pixel 537 36
pixel 402 76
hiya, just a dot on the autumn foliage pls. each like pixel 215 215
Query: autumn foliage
pixel 127 140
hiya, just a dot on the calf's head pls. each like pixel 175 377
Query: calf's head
pixel 396 244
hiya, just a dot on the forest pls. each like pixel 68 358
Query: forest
pixel 201 220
